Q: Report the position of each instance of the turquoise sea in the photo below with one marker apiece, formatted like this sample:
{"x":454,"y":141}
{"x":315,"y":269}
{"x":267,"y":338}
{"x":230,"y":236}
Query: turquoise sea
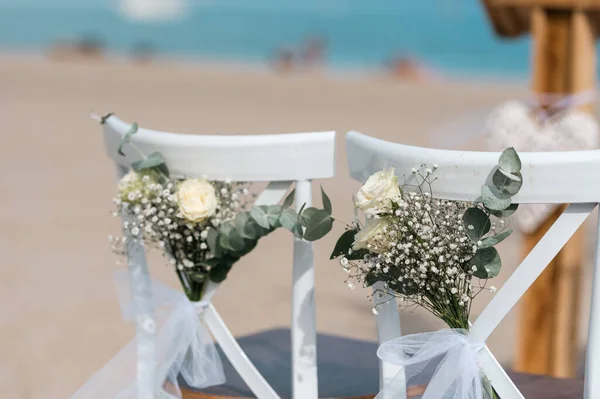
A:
{"x":453,"y":36}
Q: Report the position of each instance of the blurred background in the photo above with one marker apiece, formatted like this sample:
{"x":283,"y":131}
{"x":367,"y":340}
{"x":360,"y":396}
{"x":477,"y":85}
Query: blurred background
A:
{"x":401,"y":70}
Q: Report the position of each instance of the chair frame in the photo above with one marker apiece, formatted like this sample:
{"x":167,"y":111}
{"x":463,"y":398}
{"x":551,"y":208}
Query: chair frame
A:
{"x":283,"y":160}
{"x":548,"y":177}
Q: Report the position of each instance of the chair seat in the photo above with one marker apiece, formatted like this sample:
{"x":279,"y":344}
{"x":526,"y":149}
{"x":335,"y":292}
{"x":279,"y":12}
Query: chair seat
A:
{"x":348,"y":368}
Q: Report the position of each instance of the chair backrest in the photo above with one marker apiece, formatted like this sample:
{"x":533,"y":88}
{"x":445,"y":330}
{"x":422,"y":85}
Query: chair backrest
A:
{"x":554,"y":177}
{"x":282,"y":160}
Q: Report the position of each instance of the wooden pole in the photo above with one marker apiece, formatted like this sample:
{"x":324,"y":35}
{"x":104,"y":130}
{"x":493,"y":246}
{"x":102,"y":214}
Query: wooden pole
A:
{"x":564,"y":62}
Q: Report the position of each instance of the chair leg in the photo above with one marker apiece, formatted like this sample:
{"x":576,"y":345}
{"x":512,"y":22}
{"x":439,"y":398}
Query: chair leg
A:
{"x":251,"y":376}
{"x":304,"y":331}
{"x":592,"y":366}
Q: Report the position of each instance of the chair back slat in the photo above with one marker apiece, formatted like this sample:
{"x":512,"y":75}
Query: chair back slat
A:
{"x":549,"y":177}
{"x":273,"y":193}
{"x":495,"y":373}
{"x":294,"y":156}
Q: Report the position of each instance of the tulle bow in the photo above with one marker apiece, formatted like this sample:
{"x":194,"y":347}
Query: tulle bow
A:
{"x":183,"y":347}
{"x":438,"y":365}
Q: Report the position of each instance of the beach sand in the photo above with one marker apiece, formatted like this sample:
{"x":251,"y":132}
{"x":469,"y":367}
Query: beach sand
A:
{"x":60,"y":320}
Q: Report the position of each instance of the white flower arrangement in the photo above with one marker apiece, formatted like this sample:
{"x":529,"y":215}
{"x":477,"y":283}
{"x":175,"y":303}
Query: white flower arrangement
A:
{"x":427,"y":252}
{"x":202,"y":226}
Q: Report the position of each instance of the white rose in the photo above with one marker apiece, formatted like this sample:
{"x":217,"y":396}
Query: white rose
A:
{"x":372,"y":234}
{"x":378,"y":188}
{"x":197,"y":200}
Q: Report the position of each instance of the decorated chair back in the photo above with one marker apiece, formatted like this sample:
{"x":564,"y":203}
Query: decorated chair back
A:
{"x":283,"y":160}
{"x":548,"y":177}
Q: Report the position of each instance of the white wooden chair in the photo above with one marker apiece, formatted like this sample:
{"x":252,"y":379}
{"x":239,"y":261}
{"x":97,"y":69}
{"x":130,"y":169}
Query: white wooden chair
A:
{"x":282,"y":160}
{"x":557,"y":177}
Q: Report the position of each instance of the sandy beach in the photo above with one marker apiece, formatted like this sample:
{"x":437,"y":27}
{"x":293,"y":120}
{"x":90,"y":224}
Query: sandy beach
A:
{"x":60,"y":318}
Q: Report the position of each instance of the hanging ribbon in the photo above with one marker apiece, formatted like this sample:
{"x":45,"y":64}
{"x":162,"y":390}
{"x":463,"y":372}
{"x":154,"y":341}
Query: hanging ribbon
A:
{"x":183,"y":347}
{"x":439,"y":365}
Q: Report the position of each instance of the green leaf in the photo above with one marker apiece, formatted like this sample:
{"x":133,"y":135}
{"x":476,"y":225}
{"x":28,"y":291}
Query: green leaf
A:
{"x":236,"y":241}
{"x":509,"y":161}
{"x":132,"y":130}
{"x":505,"y":212}
{"x":479,"y":221}
{"x":297,"y":230}
{"x":259,"y":214}
{"x":212,"y":240}
{"x":358,"y":254}
{"x":507,"y":183}
{"x":153,"y":161}
{"x":273,"y":215}
{"x":318,"y":225}
{"x":371,"y":278}
{"x":494,"y":199}
{"x":219,"y":274}
{"x":326,"y":201}
{"x":288,"y":219}
{"x":105,"y":118}
{"x":224,"y":231}
{"x":487,"y":261}
{"x":493,"y":240}
{"x":244,"y":225}
{"x":306,"y":215}
{"x":343,"y":244}
{"x":289,"y":200}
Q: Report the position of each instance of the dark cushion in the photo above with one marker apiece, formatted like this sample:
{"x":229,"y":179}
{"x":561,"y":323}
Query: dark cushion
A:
{"x":346,"y":367}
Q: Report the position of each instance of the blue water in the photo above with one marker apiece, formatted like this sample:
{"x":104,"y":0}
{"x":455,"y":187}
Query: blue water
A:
{"x":449,"y":35}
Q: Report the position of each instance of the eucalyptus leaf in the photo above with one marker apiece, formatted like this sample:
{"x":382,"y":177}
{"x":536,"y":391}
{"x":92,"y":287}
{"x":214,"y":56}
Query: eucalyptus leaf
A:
{"x":476,"y":223}
{"x":358,"y":254}
{"x":219,"y":274}
{"x":212,"y":240}
{"x":493,"y":240}
{"x":289,"y":200}
{"x":132,"y":130}
{"x":273,"y":215}
{"x":318,"y":225}
{"x":224,"y":231}
{"x":306,"y":215}
{"x":344,"y":244}
{"x":509,"y":161}
{"x":288,"y":219}
{"x":236,"y":241}
{"x":507,"y":182}
{"x":326,"y":202}
{"x":505,"y":212}
{"x":154,"y":161}
{"x":487,"y":261}
{"x":244,"y":225}
{"x":297,"y":230}
{"x":259,"y":215}
{"x":494,"y":199}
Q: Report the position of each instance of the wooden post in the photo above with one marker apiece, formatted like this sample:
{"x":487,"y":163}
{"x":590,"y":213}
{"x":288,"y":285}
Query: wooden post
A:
{"x":564,"y":62}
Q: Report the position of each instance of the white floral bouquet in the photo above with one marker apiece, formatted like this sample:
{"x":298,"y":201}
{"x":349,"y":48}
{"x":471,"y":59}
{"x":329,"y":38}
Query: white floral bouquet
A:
{"x":426,"y":252}
{"x":202,"y":226}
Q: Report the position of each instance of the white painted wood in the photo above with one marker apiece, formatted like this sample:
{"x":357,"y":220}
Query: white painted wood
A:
{"x":251,"y":376}
{"x":279,"y":159}
{"x":141,"y":290}
{"x":462,"y":173}
{"x":304,"y":329}
{"x":388,"y":328}
{"x":559,"y":177}
{"x":276,"y":157}
{"x":531,"y":267}
{"x":592,"y":367}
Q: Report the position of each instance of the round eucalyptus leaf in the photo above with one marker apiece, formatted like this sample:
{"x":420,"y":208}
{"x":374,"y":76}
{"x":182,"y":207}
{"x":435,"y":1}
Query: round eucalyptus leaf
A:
{"x":495,"y":239}
{"x":509,"y":161}
{"x":288,"y":219}
{"x":318,"y":225}
{"x":273,"y":214}
{"x":506,"y":182}
{"x":505,"y":212}
{"x":487,"y":261}
{"x":236,"y":242}
{"x":494,"y":199}
{"x":259,"y":215}
{"x":245,"y":226}
{"x":306,"y":215}
{"x":476,"y":223}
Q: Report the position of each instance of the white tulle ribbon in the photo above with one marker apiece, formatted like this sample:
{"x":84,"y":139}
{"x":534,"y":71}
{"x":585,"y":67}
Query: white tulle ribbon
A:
{"x":183,"y":348}
{"x":443,"y":363}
